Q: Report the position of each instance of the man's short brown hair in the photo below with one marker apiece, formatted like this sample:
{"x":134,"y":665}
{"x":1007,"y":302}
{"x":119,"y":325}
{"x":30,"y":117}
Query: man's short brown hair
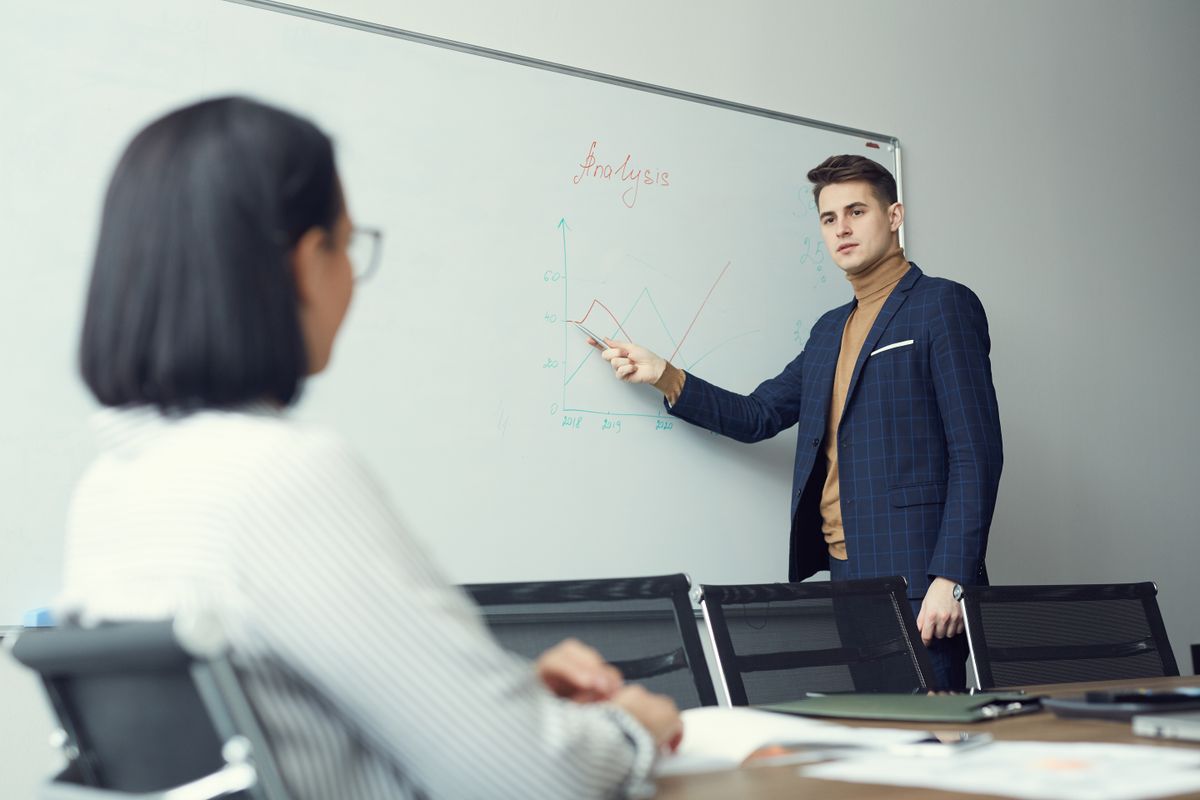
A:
{"x":846,"y":168}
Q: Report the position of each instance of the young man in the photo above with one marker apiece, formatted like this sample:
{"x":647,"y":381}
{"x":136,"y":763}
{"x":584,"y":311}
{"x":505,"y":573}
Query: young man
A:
{"x":899,"y":454}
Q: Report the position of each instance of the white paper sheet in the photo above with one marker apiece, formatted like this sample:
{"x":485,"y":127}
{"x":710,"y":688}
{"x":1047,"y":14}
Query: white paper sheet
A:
{"x":1034,"y":770}
{"x":721,"y":737}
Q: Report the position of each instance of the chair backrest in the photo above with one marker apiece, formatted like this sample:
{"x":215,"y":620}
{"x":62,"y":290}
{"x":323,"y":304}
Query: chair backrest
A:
{"x":146,"y":707}
{"x":644,"y":626}
{"x":1028,"y":635}
{"x":776,"y":641}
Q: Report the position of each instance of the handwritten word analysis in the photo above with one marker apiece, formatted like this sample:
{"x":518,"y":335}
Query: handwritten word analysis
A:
{"x":625,"y":173}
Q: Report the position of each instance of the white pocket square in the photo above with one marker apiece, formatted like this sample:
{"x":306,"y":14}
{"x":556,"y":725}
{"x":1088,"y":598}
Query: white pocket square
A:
{"x":891,"y":346}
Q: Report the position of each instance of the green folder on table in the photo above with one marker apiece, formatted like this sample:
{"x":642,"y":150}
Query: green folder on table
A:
{"x":911,"y":707}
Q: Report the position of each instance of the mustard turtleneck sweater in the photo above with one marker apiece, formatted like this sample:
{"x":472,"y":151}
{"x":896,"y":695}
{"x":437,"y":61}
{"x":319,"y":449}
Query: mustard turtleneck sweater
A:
{"x":872,"y":286}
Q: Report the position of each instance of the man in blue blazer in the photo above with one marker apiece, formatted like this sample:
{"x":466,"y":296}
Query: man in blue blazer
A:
{"x":899,"y":453}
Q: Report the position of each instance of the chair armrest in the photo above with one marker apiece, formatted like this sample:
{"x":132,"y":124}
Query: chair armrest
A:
{"x":230,"y":779}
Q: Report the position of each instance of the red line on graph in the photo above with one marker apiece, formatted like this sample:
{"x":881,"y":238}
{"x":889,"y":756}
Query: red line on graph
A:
{"x":698,"y":310}
{"x":628,"y":338}
{"x":595,"y":303}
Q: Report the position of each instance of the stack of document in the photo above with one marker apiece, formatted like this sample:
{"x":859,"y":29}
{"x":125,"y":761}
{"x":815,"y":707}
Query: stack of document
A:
{"x":1034,"y":770}
{"x":717,"y":738}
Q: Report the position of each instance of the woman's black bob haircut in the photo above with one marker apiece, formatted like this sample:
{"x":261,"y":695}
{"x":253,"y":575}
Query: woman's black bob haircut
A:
{"x":192,"y":301}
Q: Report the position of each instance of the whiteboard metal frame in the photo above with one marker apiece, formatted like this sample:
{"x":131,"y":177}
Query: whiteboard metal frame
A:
{"x":499,"y":55}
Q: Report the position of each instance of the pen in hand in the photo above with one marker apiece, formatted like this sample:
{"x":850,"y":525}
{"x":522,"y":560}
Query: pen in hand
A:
{"x":595,"y":339}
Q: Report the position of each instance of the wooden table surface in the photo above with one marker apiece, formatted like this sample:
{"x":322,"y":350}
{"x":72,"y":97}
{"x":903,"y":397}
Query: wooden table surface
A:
{"x":785,"y":781}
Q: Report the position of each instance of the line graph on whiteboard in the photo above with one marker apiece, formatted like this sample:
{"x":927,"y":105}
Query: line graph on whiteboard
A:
{"x":691,"y":315}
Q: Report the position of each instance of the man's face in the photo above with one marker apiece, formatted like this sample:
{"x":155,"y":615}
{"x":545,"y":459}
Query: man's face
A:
{"x":858,"y":229}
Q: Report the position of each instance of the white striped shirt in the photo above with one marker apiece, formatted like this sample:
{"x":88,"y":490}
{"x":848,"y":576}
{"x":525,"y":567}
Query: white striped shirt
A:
{"x":372,"y":675}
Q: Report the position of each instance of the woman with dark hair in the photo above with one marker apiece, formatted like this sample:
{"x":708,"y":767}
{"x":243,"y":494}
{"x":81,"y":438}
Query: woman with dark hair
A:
{"x":223,"y":272}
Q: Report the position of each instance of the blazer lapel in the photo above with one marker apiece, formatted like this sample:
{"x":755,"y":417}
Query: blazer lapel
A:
{"x":890,"y":307}
{"x":822,"y":373}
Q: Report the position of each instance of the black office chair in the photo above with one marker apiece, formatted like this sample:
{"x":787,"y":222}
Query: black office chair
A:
{"x":1027,"y":635}
{"x":776,"y":641}
{"x":644,"y":626}
{"x":149,"y":710}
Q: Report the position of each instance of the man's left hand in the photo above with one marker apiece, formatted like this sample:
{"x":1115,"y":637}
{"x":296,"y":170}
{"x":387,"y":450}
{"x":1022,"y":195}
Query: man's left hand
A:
{"x":940,"y":616}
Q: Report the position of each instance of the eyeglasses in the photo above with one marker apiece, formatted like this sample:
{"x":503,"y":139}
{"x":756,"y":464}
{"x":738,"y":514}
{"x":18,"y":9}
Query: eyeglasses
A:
{"x":365,"y":248}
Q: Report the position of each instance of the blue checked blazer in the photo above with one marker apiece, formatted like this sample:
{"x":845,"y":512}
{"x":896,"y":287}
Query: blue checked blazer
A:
{"x":919,"y":450}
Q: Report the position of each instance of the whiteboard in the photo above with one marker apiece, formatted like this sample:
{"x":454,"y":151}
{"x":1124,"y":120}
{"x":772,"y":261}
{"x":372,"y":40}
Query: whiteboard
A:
{"x":514,"y":195}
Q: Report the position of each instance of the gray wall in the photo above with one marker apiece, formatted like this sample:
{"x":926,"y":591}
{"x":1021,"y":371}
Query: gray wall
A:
{"x":1049,"y":164}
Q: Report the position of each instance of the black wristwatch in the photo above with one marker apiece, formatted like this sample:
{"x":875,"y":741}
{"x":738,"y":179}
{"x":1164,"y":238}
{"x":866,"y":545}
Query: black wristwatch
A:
{"x":958,"y":591}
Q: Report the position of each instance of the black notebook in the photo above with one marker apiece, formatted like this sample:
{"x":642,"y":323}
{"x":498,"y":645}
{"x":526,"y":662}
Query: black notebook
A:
{"x":911,"y":707}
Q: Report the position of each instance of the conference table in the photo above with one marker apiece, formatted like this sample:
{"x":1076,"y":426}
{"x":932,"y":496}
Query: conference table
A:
{"x":762,"y":782}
